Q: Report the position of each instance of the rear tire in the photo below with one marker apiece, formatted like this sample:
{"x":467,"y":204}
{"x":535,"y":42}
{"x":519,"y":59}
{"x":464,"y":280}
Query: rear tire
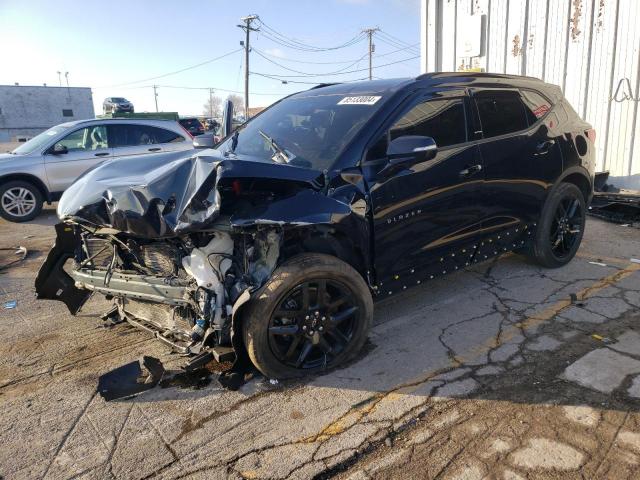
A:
{"x":20,"y":201}
{"x":561,"y":227}
{"x":287,"y":336}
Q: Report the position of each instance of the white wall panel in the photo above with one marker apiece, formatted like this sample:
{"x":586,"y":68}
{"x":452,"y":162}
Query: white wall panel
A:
{"x":586,"y":46}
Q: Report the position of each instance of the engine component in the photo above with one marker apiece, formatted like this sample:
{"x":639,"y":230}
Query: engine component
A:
{"x":199,"y":329}
{"x":160,"y":258}
{"x":208,"y":264}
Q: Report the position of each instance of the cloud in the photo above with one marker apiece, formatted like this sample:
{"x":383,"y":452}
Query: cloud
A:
{"x":275,"y":52}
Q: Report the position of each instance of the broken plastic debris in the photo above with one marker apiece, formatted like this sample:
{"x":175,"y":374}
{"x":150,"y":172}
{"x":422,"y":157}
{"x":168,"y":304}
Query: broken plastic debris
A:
{"x":10,"y":304}
{"x":635,"y":260}
{"x":273,"y":381}
{"x":130,"y":379}
{"x":600,"y":338}
{"x":599,"y":264}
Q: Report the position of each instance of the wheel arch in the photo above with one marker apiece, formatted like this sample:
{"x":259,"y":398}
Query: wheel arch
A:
{"x":25,"y":177}
{"x":579,"y":177}
{"x":328,"y":240}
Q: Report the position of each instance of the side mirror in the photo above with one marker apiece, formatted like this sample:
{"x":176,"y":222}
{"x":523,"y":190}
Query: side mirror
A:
{"x":227,"y":118}
{"x":408,"y":150}
{"x":206,"y":140}
{"x":412,"y":148}
{"x":59,"y":149}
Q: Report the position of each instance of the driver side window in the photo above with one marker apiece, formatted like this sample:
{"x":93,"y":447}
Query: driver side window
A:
{"x":443,"y":120}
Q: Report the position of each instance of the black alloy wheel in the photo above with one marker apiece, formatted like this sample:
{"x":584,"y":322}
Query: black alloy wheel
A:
{"x":559,"y":232}
{"x":313,"y":324}
{"x":566,"y":226}
{"x":313,"y":313}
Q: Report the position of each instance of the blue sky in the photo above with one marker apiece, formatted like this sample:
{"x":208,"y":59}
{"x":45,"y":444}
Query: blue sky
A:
{"x":104,"y":45}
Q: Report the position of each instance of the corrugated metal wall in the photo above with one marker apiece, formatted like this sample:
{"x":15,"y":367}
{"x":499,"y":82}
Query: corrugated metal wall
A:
{"x":591,"y":48}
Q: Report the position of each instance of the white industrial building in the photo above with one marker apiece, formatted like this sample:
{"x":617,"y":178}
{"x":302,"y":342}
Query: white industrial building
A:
{"x":591,"y":48}
{"x":26,"y":111}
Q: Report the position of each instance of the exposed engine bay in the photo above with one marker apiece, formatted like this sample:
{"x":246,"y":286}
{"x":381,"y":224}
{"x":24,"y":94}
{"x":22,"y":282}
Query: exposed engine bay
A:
{"x":182,"y":289}
{"x":181,"y":242}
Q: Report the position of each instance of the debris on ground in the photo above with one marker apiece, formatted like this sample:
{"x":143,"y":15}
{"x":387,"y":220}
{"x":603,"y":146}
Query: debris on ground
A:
{"x":613,"y":204}
{"x":600,"y":264}
{"x":19,"y":251}
{"x":131,"y":379}
{"x":10,"y":304}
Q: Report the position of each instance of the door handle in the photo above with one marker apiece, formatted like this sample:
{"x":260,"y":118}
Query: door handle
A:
{"x":544,"y":147}
{"x":467,"y":172}
{"x":155,"y":149}
{"x":101,"y":154}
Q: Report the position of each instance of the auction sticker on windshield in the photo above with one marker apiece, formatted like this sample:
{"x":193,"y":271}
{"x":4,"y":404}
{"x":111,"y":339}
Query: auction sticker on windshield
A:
{"x":363,"y":100}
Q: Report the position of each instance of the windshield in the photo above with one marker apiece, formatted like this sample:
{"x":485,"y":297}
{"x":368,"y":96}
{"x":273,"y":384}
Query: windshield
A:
{"x":118,"y":100}
{"x":312,"y":131}
{"x":39,"y":141}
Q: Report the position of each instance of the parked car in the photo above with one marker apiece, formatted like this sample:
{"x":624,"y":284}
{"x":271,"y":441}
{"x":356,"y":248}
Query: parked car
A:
{"x":192,"y":125}
{"x":276,"y":242}
{"x":117,"y":105}
{"x":42,"y":168}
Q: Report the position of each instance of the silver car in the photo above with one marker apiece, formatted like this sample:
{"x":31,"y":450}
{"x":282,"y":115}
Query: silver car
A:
{"x":42,"y":168}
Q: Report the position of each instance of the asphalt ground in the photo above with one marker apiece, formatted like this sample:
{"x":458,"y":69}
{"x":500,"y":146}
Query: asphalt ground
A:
{"x":505,"y":370}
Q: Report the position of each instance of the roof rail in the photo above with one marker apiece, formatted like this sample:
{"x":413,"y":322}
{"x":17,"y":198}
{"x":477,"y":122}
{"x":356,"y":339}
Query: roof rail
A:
{"x":322,"y":85}
{"x":473,"y":74}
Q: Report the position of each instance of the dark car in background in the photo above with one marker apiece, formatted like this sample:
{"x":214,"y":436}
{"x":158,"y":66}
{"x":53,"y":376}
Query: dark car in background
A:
{"x":276,"y":243}
{"x":117,"y":105}
{"x":192,"y":125}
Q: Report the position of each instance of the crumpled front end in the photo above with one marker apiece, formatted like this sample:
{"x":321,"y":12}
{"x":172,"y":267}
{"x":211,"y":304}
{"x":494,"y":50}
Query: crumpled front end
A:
{"x":181,"y":242}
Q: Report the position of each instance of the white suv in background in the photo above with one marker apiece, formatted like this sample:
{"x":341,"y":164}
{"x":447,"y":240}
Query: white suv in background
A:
{"x":42,"y":168}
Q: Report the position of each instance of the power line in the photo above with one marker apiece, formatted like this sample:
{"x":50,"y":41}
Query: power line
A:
{"x":289,"y":42}
{"x":265,"y":75}
{"x":399,"y":40}
{"x":341,"y":73}
{"x":308,"y":73}
{"x":295,"y":60}
{"x":176,"y":71}
{"x":395,"y":42}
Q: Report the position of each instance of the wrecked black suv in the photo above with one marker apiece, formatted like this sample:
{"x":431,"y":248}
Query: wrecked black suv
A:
{"x":275,"y":243}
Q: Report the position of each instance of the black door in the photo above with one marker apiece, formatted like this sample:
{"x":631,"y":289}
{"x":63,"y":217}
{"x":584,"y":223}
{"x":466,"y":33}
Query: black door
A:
{"x":520,"y":158}
{"x":426,"y":212}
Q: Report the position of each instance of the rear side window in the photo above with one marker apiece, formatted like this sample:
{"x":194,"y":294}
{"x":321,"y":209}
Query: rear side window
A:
{"x":134,"y":135}
{"x":536,"y":105}
{"x":501,"y":112}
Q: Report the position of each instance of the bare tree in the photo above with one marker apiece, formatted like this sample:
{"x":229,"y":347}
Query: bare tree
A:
{"x":213,"y":107}
{"x":238,"y":104}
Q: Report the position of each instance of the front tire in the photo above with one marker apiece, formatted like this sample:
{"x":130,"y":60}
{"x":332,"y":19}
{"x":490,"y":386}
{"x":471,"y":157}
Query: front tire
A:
{"x":20,"y":201}
{"x":313,"y":313}
{"x":561,"y":227}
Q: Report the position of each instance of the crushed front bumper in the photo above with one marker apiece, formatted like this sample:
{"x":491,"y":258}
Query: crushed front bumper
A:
{"x":53,"y":282}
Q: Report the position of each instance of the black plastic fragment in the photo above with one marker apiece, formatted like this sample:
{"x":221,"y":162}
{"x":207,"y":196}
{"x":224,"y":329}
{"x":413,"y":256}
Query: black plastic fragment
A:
{"x":130,"y":379}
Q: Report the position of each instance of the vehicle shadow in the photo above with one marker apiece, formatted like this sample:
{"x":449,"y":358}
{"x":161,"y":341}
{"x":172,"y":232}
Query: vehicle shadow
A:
{"x":464,"y":336}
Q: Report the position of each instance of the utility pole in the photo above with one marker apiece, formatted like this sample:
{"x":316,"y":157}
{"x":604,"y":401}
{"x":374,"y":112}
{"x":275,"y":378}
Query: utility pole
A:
{"x":247,"y":29}
{"x":59,"y":78}
{"x":155,"y":95}
{"x":211,"y":102}
{"x":372,"y":48}
{"x":66,"y":76}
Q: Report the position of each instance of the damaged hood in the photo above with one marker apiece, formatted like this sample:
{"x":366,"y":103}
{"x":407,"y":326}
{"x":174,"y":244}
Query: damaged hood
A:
{"x":166,"y":194}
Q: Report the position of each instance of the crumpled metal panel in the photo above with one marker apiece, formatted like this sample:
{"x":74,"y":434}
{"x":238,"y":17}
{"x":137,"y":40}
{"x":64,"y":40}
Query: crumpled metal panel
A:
{"x":166,"y":194}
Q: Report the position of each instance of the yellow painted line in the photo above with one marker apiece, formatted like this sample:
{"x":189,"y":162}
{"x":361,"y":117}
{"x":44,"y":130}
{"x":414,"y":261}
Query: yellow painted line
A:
{"x":357,"y":412}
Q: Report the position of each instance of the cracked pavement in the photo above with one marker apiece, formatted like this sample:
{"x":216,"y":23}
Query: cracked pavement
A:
{"x":505,"y":370}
